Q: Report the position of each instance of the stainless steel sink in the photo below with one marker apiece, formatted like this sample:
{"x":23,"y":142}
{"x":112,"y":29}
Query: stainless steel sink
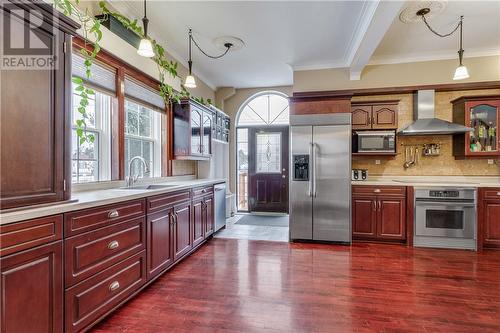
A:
{"x":147,"y":187}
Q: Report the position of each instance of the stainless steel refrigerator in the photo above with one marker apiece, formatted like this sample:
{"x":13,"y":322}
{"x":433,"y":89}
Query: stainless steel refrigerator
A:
{"x":320,"y":179}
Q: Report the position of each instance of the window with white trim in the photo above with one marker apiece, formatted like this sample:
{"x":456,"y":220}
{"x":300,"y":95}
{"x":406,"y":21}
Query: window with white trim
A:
{"x":142,"y":137}
{"x":91,"y":161}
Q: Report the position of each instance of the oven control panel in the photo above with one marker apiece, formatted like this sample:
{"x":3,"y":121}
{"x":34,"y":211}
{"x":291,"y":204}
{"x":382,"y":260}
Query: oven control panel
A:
{"x":444,"y":194}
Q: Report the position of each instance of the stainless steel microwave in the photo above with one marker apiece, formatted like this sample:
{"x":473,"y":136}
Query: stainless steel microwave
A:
{"x":374,"y":142}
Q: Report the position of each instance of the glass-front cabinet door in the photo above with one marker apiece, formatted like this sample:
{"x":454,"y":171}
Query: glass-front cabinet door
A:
{"x":207,"y":134}
{"x":483,"y":117}
{"x":196,"y":125}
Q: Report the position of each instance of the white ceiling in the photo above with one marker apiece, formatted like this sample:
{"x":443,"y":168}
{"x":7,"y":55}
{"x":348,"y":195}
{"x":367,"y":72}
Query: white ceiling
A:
{"x":283,"y":36}
{"x":408,"y":42}
{"x":277,"y":35}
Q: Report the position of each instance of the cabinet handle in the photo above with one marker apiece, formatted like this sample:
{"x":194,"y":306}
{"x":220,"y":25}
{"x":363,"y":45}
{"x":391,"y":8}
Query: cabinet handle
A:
{"x":498,"y":193}
{"x":172,"y":219}
{"x":204,"y":191}
{"x":377,"y":190}
{"x":379,"y":205}
{"x":374,"y":204}
{"x":113,"y":213}
{"x":113,"y":245}
{"x":113,"y":286}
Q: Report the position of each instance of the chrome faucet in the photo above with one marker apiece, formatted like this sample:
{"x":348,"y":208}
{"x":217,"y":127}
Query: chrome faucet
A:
{"x":130,"y":180}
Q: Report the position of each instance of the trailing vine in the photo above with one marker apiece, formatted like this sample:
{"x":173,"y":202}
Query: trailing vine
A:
{"x":92,"y":35}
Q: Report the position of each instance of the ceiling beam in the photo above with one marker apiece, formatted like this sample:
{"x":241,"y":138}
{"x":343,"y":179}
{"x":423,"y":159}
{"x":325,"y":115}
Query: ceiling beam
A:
{"x":375,"y":21}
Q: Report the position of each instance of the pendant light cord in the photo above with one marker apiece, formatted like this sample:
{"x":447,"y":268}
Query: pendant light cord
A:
{"x":442,"y":35}
{"x":227,"y":45}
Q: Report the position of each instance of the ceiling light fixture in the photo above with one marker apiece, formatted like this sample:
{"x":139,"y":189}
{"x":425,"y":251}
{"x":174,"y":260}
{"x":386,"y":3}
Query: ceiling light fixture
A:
{"x":190,"y":82}
{"x":461,"y":72}
{"x":145,"y":46}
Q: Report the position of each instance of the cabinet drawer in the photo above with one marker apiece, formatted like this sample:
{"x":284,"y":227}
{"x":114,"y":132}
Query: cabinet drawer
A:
{"x":20,"y":236}
{"x":378,"y":190}
{"x":491,"y":193}
{"x":91,"y":299}
{"x":203,"y":191}
{"x":93,"y":218}
{"x":164,"y":201}
{"x":88,"y":254}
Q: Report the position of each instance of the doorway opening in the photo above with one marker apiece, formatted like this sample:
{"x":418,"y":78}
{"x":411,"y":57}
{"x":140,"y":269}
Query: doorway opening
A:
{"x":262,"y":139}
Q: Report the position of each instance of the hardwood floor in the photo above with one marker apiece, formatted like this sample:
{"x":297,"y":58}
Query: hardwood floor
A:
{"x":256,"y":286}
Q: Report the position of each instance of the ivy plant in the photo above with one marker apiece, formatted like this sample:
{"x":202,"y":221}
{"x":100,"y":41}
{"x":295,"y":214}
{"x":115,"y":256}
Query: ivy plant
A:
{"x":92,"y":35}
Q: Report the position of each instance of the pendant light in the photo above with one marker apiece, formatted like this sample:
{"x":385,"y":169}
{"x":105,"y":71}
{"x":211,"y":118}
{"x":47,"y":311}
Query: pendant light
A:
{"x":190,"y":81}
{"x":461,"y":72}
{"x":145,"y":46}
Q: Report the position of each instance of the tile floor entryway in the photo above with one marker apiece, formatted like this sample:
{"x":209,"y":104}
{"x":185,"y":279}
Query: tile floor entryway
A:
{"x":263,"y":231}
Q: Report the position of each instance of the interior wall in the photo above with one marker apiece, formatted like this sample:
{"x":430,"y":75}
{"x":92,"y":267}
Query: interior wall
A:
{"x":231,"y":106}
{"x":481,"y":69}
{"x":445,"y":164}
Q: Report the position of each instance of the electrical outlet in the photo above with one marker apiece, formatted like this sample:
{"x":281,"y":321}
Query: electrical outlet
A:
{"x":377,"y":162}
{"x":491,"y":162}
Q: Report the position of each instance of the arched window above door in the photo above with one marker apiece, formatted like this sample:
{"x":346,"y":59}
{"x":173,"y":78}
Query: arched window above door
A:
{"x":265,"y":109}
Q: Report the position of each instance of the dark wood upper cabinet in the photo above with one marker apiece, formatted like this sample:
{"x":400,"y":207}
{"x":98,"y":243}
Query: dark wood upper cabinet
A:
{"x":482,"y":113}
{"x":375,"y":115}
{"x":35,"y":119}
{"x":361,"y":117}
{"x":31,"y":289}
{"x":193,"y":127}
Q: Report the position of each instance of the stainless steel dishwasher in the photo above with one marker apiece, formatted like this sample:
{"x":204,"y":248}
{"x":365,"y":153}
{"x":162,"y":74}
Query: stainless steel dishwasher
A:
{"x":220,"y":206}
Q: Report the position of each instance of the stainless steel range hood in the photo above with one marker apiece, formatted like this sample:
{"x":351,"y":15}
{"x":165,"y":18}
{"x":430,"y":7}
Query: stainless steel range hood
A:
{"x":425,"y":121}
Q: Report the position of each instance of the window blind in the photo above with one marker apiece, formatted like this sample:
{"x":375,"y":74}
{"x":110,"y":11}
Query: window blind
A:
{"x":101,"y":76}
{"x":143,"y":94}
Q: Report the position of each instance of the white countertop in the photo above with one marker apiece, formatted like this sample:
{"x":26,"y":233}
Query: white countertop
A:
{"x":441,"y":181}
{"x":88,"y":199}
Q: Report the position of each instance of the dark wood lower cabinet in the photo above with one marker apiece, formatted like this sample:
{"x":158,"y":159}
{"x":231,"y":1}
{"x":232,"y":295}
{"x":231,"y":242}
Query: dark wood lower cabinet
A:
{"x":489,"y":218}
{"x":364,"y":218}
{"x":88,"y":301}
{"x":119,"y":252}
{"x":391,"y":219}
{"x":198,"y":221}
{"x":182,"y":230}
{"x":209,"y":216}
{"x":378,"y":214}
{"x":31,"y":287}
{"x":159,"y":242}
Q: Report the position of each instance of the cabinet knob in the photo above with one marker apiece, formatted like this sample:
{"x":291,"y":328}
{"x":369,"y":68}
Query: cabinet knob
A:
{"x":113,"y":245}
{"x":498,"y":193}
{"x":377,"y":190}
{"x":113,"y":213}
{"x":204,"y":191}
{"x":113,"y":286}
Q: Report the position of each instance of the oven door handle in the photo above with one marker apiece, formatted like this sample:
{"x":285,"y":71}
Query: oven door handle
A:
{"x":443,"y":203}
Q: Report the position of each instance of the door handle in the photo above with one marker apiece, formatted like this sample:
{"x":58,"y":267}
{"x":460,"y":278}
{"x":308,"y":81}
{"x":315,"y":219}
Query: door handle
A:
{"x":309,"y":190}
{"x":113,"y":213}
{"x":315,"y":169}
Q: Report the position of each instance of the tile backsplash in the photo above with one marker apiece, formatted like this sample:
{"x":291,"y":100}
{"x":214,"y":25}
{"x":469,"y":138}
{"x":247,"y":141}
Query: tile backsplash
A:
{"x":445,"y":163}
{"x":183,"y":167}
